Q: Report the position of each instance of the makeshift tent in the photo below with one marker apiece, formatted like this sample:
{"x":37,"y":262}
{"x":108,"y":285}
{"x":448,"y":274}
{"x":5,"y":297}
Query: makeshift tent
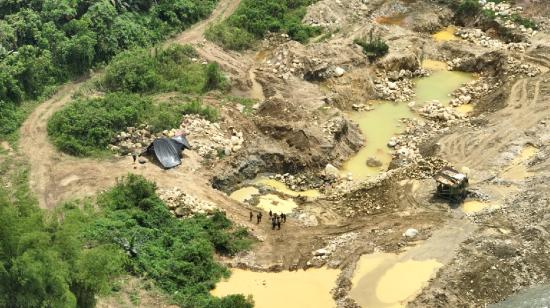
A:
{"x":167,"y":151}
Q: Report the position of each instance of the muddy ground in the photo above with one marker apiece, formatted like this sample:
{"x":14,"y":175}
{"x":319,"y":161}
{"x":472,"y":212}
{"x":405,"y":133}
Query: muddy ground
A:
{"x":299,"y":125}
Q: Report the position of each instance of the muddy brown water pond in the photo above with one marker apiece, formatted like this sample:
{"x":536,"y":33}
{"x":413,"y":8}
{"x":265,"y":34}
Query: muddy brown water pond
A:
{"x":272,"y":202}
{"x":383,"y":280}
{"x":382,"y":123}
{"x":296,"y":289}
{"x":446,"y":34}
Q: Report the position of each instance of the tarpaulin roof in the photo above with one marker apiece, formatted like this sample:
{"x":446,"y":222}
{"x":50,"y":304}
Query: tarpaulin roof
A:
{"x":182,"y":140}
{"x":167,"y":151}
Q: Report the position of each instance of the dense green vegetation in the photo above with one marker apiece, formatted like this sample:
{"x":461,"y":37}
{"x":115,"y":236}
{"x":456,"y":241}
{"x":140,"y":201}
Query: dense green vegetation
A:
{"x":87,"y":126}
{"x":69,"y":256}
{"x":171,"y":69}
{"x":176,"y":254}
{"x":43,"y":263}
{"x":46,"y":42}
{"x":373,"y":48}
{"x":254,"y":19}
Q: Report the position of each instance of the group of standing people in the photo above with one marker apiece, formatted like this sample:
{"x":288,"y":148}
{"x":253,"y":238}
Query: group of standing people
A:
{"x":276,"y":219}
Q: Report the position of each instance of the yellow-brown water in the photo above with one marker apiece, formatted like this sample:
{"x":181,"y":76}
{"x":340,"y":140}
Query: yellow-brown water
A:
{"x":283,"y":188}
{"x":299,"y":289}
{"x":517,"y":170}
{"x":244,"y":194}
{"x":465,"y":109}
{"x":474,"y":206}
{"x":447,"y":34}
{"x":276,"y":204}
{"x":378,"y":126}
{"x":440,"y":84}
{"x":384,"y":280}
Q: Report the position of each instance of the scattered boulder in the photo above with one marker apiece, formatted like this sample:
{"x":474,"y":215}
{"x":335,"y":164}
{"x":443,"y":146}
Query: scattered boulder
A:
{"x":410,"y":233}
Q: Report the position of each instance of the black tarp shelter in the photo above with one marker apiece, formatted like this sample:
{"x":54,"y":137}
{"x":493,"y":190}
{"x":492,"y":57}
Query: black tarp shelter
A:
{"x":167,"y":151}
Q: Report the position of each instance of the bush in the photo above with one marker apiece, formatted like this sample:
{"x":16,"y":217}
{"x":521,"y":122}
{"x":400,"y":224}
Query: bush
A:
{"x":87,"y":126}
{"x":373,"y":48}
{"x":71,"y":256}
{"x":171,"y":69}
{"x":230,"y":37}
{"x":254,"y":19}
{"x":468,"y":8}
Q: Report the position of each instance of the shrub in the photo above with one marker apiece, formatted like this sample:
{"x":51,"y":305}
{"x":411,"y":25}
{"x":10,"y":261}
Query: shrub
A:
{"x":374,"y":48}
{"x":171,"y":69}
{"x":254,"y":19}
{"x":230,"y":37}
{"x":87,"y":126}
{"x":468,"y":8}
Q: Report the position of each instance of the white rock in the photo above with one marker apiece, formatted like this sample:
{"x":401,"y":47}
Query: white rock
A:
{"x":410,"y":233}
{"x":339,"y":72}
{"x":330,"y":170}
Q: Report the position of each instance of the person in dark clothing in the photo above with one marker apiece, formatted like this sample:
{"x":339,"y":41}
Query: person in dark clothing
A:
{"x":134,"y":157}
{"x":273,"y":223}
{"x":278,"y":224}
{"x":258,"y":218}
{"x":251,"y":215}
{"x":270,"y":213}
{"x":284,"y":217}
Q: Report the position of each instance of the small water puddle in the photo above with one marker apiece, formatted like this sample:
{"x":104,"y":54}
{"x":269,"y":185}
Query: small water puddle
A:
{"x":297,"y":289}
{"x":400,"y":20}
{"x":244,"y":194}
{"x":474,"y":206}
{"x":276,"y":204}
{"x":446,"y":34}
{"x":281,"y":187}
{"x":388,"y":280}
{"x":517,"y":170}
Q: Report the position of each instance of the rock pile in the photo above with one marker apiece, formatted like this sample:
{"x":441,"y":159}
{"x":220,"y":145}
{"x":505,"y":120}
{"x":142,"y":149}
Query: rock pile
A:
{"x":207,"y":138}
{"x":133,"y":140}
{"x":397,"y":85}
{"x":332,"y":14}
{"x":515,"y":67}
{"x":298,"y":182}
{"x":475,"y":89}
{"x":436,"y":111}
{"x":184,"y":205}
{"x":334,"y":245}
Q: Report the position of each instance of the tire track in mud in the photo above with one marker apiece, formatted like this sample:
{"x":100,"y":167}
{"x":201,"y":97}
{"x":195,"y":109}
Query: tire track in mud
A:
{"x":477,"y":148}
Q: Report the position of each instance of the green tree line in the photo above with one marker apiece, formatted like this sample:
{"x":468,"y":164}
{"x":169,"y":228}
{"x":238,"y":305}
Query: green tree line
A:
{"x":46,"y":42}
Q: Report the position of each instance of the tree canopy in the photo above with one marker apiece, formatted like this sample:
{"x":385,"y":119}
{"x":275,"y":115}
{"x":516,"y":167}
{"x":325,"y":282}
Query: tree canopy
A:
{"x":46,"y":42}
